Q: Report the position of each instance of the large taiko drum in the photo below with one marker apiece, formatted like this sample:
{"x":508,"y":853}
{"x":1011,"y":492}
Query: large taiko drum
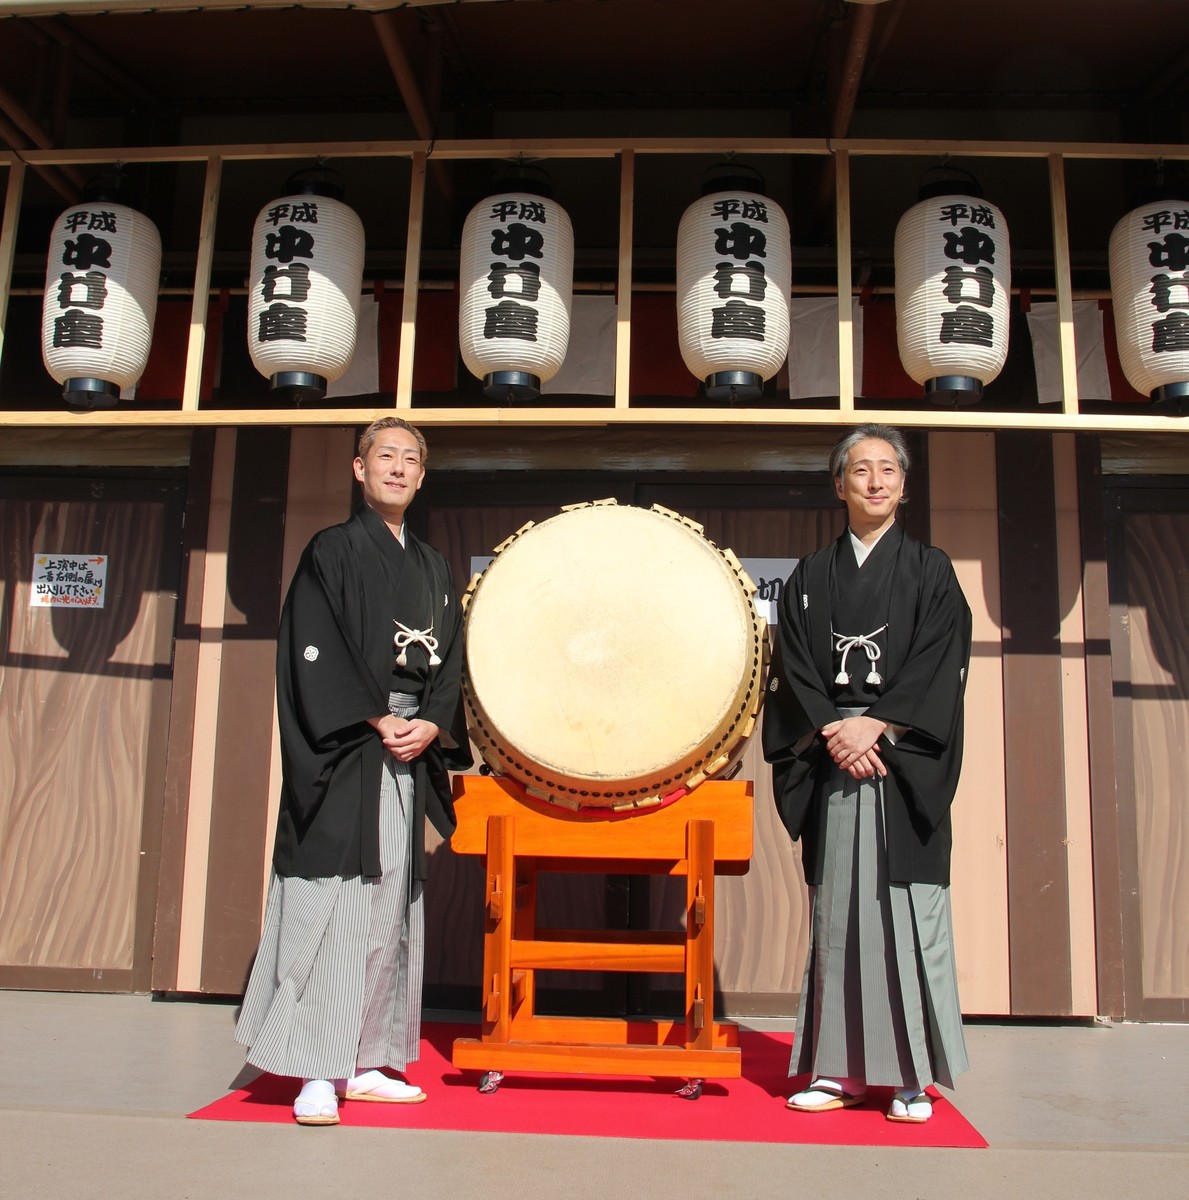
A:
{"x":615,"y":658}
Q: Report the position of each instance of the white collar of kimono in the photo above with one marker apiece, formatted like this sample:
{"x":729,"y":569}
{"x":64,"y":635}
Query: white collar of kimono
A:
{"x":860,"y":550}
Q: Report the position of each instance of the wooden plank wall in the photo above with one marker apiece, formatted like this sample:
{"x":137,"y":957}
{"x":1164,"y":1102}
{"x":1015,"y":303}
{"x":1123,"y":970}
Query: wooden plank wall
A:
{"x":1006,"y":508}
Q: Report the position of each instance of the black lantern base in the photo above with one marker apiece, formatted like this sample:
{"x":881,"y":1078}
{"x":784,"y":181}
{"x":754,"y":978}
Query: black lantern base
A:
{"x":85,"y":394}
{"x":1172,"y":399}
{"x":298,"y":386}
{"x":953,"y":391}
{"x":734,"y":385}
{"x":511,"y":387}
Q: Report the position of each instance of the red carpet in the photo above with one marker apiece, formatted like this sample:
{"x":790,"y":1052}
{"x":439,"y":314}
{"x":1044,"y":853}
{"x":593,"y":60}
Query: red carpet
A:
{"x":750,"y":1109}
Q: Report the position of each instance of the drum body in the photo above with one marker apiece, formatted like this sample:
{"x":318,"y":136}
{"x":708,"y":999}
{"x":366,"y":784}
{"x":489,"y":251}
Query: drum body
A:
{"x":615,"y":658}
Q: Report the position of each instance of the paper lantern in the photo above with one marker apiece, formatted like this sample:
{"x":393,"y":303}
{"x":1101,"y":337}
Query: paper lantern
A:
{"x":734,"y":276}
{"x":303,"y":292}
{"x":516,"y":282}
{"x":1149,"y":264}
{"x":953,"y":280}
{"x":101,"y":284}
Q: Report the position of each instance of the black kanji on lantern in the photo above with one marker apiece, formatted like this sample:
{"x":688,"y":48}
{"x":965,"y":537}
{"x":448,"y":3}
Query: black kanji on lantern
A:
{"x":1162,"y":292}
{"x":282,"y":323}
{"x":740,"y":241}
{"x":970,"y":246}
{"x":968,"y":326}
{"x":749,"y":210}
{"x":297,"y":277}
{"x":976,"y":214}
{"x":1154,"y":222}
{"x":86,"y":251}
{"x":75,"y":328}
{"x":1171,"y":334}
{"x":980,"y":277}
{"x":740,"y":279}
{"x":508,"y":319}
{"x":289,"y":243}
{"x":104,"y":221}
{"x":738,"y":320}
{"x":1171,"y":252}
{"x":523,"y":280}
{"x":92,"y":285}
{"x":517,"y":241}
{"x":304,"y":212}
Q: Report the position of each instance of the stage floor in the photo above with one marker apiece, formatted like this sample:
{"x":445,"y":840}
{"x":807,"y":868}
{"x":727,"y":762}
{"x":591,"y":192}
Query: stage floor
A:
{"x":97,"y":1088}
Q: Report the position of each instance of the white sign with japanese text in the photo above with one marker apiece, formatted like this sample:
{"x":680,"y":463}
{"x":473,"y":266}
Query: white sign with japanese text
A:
{"x":68,"y":581}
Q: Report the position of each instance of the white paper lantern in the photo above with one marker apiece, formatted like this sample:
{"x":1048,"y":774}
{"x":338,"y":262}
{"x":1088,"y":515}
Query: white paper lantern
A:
{"x":303,"y":292}
{"x":953,"y":281}
{"x":734,"y":276}
{"x":516,"y":283}
{"x":101,"y":283}
{"x":1149,"y":262}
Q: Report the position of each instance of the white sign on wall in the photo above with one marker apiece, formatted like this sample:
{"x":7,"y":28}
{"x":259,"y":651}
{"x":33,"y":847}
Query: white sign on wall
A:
{"x":68,"y":581}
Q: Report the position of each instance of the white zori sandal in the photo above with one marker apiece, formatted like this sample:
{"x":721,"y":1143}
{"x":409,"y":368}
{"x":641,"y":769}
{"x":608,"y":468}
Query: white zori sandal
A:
{"x":375,"y":1085}
{"x":316,"y":1103}
{"x":916,"y":1108}
{"x":824,"y":1095}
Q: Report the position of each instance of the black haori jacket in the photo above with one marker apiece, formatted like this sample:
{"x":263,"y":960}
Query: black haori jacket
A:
{"x":335,"y":660}
{"x":924,"y":670}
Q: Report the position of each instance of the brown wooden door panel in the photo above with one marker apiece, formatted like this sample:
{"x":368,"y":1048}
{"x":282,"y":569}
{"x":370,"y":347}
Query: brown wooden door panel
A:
{"x":80,"y":727}
{"x":1150,"y":616}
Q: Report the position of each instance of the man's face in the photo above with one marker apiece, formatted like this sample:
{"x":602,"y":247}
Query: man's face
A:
{"x":391,"y":472}
{"x":872,"y":483}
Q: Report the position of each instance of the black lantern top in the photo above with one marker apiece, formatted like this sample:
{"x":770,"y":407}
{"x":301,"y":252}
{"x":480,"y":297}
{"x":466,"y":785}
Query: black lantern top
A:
{"x":316,"y":181}
{"x":733,"y":176}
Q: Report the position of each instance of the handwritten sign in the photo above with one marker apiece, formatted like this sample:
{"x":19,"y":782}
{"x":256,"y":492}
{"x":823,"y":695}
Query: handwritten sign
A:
{"x":68,"y":581}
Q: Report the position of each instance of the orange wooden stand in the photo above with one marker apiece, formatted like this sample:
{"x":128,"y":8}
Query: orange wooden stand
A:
{"x":707,"y":830}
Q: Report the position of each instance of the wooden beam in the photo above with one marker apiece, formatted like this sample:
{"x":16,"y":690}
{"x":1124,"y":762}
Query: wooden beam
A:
{"x":408,"y":320}
{"x":192,"y":386}
{"x":8,"y":239}
{"x":623,"y":299}
{"x":1064,"y":280}
{"x":846,"y":331}
{"x":401,"y":67}
{"x":1128,"y":422}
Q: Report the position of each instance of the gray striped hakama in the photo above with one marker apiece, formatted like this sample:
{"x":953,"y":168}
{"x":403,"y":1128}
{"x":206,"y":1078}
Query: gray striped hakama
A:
{"x":879,"y":1001}
{"x":336,"y":985}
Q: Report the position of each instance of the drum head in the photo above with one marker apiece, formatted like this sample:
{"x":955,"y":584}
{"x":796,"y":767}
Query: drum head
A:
{"x":613,"y":654}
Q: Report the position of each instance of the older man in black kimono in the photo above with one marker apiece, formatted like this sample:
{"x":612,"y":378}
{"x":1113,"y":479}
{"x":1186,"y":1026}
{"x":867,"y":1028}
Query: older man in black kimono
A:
{"x":369,"y":658}
{"x":863,"y":726}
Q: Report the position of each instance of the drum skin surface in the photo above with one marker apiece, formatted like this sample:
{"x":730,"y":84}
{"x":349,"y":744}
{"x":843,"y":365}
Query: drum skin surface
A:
{"x":615,"y":657}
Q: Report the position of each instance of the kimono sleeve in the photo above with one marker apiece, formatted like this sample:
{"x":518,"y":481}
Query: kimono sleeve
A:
{"x":927,"y":696}
{"x":795,"y":708}
{"x":324,"y":688}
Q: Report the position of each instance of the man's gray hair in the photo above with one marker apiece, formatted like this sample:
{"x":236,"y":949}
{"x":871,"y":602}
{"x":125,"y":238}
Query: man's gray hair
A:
{"x":861,"y":433}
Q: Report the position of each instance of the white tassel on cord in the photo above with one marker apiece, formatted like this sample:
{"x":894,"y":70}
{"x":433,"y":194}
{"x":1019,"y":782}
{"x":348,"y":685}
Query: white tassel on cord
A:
{"x":847,"y":642}
{"x":406,"y":637}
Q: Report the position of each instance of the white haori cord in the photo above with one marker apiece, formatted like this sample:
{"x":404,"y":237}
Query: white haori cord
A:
{"x":406,"y":637}
{"x":847,"y":642}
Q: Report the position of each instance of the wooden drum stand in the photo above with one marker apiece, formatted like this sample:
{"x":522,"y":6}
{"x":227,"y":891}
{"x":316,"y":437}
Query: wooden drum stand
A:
{"x":708,"y":830}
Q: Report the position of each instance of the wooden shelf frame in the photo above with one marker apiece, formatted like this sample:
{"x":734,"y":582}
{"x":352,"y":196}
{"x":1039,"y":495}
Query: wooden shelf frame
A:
{"x":621,"y":409}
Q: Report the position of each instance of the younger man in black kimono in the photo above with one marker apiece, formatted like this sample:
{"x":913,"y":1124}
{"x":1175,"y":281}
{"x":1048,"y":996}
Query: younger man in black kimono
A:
{"x":369,"y":658}
{"x":863,"y":726}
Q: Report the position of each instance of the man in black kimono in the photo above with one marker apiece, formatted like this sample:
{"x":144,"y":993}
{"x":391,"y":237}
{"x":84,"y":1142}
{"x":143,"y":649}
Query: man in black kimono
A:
{"x":369,"y":659}
{"x":863,"y":726}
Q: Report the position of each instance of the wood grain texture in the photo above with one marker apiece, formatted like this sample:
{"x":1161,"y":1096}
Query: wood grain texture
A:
{"x":75,"y":722}
{"x":1157,"y":565}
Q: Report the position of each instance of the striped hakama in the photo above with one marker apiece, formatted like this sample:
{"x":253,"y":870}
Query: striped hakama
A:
{"x":879,"y":1001}
{"x":336,"y":984}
